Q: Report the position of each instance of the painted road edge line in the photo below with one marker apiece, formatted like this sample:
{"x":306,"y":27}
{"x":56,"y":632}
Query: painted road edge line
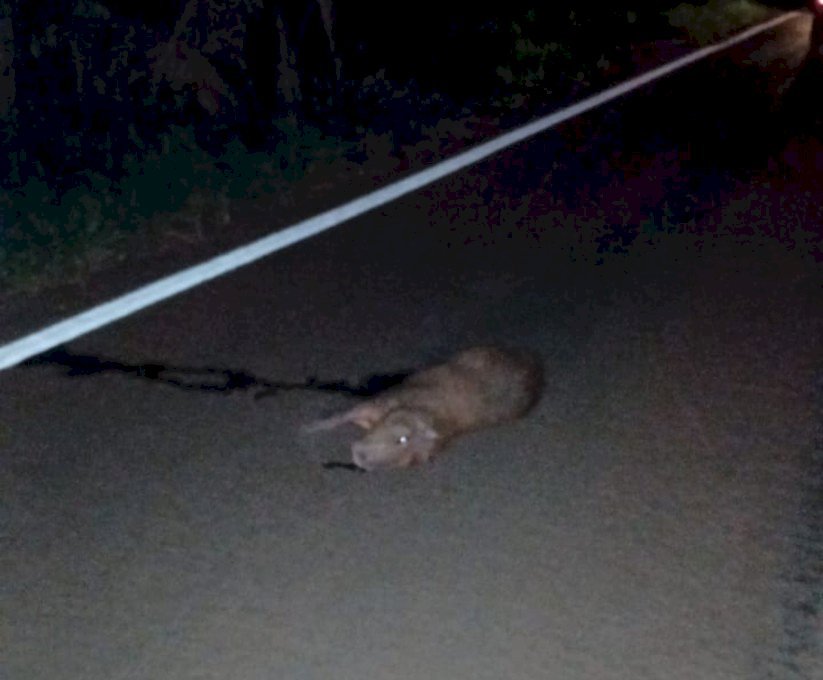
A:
{"x":73,"y":327}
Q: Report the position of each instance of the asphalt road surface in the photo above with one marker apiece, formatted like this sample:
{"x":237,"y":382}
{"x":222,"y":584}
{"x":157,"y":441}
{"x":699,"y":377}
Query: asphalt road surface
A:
{"x":659,"y":514}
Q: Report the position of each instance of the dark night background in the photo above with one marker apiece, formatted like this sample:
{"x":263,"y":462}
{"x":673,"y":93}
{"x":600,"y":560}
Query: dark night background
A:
{"x":112,"y":112}
{"x":116,"y":76}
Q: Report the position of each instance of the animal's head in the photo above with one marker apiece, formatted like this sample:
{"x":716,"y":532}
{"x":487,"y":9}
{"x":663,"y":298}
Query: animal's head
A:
{"x":404,"y":437}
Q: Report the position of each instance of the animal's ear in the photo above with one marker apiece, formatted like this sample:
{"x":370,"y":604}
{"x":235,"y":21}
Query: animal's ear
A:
{"x":365,"y":416}
{"x":424,"y":426}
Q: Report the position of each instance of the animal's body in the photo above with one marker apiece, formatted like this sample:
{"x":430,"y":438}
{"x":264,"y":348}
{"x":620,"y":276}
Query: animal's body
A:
{"x":409,"y":423}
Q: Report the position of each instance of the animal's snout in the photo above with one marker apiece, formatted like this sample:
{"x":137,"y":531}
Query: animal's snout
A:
{"x":369,"y":457}
{"x":358,"y":457}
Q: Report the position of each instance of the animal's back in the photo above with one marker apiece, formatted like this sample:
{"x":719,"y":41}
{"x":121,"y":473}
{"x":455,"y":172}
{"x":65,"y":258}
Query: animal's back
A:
{"x":478,"y":387}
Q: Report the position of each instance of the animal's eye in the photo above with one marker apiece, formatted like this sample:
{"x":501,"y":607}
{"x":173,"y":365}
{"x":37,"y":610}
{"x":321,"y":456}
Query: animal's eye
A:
{"x":402,"y":440}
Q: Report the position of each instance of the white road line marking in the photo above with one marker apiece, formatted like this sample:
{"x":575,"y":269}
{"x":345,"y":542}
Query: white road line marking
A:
{"x":40,"y":341}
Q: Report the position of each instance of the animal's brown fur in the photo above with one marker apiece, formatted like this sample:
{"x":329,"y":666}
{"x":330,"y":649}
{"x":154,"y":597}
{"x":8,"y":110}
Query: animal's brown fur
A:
{"x":409,"y":423}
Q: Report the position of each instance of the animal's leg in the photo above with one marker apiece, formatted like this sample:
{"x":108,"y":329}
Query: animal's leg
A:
{"x":365,"y":416}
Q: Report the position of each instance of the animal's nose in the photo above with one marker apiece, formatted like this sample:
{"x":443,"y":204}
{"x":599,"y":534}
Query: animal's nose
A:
{"x":357,"y":458}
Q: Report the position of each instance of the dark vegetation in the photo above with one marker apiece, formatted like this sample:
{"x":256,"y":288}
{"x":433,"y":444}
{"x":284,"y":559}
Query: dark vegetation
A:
{"x":113,"y":113}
